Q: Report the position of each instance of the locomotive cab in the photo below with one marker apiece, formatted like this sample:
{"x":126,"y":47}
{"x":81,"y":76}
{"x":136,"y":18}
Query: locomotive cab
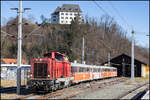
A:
{"x":51,"y":72}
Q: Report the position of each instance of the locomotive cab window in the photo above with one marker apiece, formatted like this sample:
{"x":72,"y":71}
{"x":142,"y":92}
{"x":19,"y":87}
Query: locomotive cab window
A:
{"x":47,"y":55}
{"x":59,"y":57}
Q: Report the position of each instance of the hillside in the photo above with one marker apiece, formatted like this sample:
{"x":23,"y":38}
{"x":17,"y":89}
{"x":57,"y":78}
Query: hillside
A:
{"x":100,"y":38}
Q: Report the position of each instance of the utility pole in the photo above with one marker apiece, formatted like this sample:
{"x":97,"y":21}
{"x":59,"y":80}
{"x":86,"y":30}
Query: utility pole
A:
{"x":132,"y":60}
{"x":83,"y":50}
{"x":19,"y":47}
{"x":109,"y":59}
{"x":20,"y":12}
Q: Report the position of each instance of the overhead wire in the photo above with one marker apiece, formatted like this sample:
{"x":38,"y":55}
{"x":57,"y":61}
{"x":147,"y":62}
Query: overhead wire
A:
{"x":11,"y":5}
{"x":8,"y":34}
{"x":33,"y":31}
{"x":116,"y":10}
{"x":101,"y":8}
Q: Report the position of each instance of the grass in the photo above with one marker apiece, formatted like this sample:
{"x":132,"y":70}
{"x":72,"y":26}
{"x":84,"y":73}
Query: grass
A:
{"x":138,"y":79}
{"x":128,"y":83}
{"x":9,"y":83}
{"x":8,"y":96}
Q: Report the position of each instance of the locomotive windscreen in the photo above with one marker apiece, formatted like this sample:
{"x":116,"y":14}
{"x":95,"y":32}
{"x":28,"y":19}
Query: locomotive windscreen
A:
{"x":40,"y":70}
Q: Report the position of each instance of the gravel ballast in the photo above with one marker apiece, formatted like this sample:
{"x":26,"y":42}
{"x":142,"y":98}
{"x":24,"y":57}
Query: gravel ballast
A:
{"x":110,"y":92}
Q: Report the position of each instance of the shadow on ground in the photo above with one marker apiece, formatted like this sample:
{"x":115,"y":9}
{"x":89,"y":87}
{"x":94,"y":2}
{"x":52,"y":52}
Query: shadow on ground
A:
{"x":13,"y":90}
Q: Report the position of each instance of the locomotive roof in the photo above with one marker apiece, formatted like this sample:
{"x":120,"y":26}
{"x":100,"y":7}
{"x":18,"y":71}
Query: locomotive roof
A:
{"x":56,"y":53}
{"x":90,"y":66}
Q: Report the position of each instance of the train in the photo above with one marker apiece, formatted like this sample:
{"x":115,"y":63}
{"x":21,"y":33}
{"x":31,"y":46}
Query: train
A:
{"x":54,"y":71}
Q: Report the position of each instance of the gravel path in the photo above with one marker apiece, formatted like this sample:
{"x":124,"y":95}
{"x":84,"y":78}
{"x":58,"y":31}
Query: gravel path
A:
{"x":110,"y":92}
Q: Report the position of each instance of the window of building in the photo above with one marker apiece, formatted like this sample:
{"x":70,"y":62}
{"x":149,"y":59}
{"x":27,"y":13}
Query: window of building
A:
{"x":70,"y":13}
{"x":54,"y":16}
{"x":62,"y":17}
{"x":70,"y":17}
{"x":62,"y":13}
{"x":66,"y":17}
{"x":76,"y":9}
{"x":54,"y":19}
{"x":66,"y":13}
{"x":62,"y":21}
{"x":66,"y":21}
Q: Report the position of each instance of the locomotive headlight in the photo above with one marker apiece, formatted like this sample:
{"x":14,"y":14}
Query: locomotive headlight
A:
{"x":48,"y":75}
{"x":31,"y":75}
{"x":40,"y":59}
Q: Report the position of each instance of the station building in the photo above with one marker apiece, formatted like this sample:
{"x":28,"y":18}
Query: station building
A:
{"x":9,"y":69}
{"x":123,"y":65}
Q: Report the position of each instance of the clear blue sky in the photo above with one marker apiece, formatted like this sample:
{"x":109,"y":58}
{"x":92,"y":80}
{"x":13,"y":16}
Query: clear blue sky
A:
{"x":134,"y":12}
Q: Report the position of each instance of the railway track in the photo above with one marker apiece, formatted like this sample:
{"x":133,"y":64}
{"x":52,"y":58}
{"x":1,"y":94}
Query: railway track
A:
{"x":75,"y":89}
{"x":94,"y":87}
{"x":137,"y":96}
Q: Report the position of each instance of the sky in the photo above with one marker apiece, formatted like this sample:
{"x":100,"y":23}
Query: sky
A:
{"x":135,"y":13}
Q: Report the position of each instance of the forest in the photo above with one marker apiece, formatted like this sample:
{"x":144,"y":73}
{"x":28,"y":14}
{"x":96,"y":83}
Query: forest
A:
{"x":102,"y":36}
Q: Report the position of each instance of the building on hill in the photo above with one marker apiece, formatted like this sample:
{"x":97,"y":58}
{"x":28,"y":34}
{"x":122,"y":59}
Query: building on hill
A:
{"x":66,"y":13}
{"x":123,"y":65}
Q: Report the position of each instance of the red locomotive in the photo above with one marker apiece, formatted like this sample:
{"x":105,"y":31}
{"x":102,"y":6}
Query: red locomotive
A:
{"x":51,"y":72}
{"x":54,"y":71}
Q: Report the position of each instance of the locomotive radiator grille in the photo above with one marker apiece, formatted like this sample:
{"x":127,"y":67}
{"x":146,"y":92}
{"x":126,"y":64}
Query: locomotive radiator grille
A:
{"x":40,"y":70}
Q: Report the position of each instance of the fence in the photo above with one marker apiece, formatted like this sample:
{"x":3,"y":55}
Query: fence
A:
{"x":9,"y":74}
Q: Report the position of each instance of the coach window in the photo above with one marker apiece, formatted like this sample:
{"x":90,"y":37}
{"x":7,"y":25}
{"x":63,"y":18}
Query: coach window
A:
{"x":113,"y":70}
{"x":87,"y":69}
{"x":104,"y":70}
{"x":72,"y":69}
{"x":98,"y":69}
{"x":107,"y":70}
{"x":80,"y":69}
{"x":94,"y":69}
{"x":83,"y":69}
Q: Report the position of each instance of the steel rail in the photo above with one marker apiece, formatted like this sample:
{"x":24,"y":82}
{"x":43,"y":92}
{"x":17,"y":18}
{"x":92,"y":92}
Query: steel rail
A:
{"x":130,"y":91}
